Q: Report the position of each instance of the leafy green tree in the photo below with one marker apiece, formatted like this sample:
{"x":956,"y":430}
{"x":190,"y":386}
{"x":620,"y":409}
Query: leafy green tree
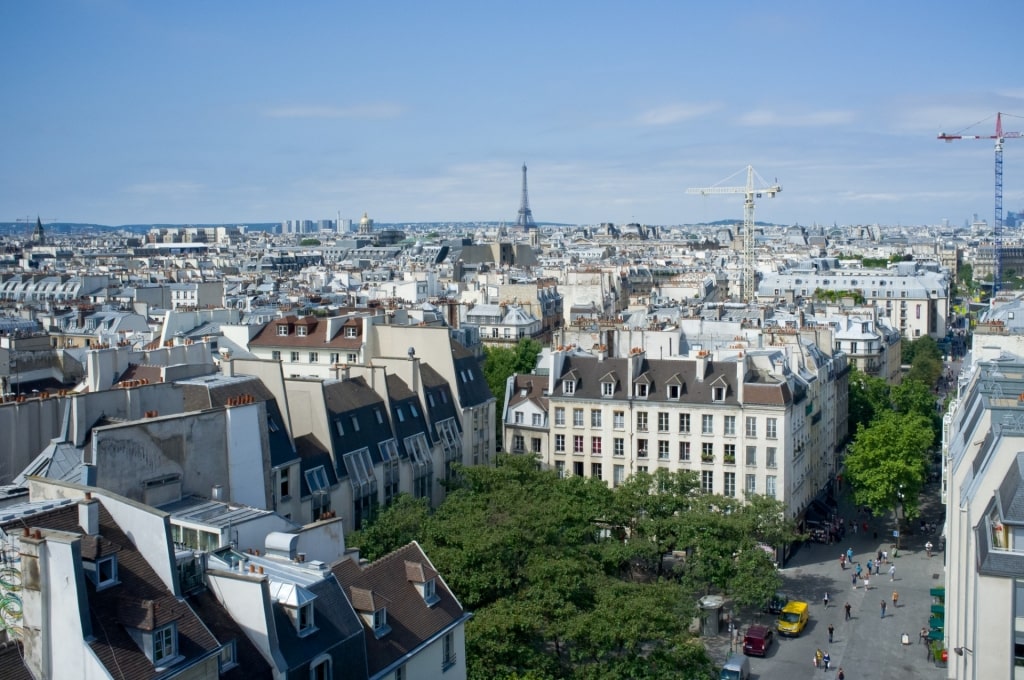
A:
{"x":309,"y":242}
{"x":502,"y":362}
{"x":393,"y":527}
{"x":887,"y":464}
{"x":868,"y":396}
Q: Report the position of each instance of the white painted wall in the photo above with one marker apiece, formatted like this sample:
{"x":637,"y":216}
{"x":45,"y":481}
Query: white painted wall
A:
{"x":246,"y":432}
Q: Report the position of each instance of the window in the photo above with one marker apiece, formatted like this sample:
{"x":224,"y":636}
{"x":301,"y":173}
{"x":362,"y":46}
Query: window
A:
{"x":106,"y":572}
{"x":640,"y":390}
{"x":684,"y":423}
{"x":607,"y":389}
{"x":662,"y":421}
{"x":320,"y":669}
{"x":400,"y":673}
{"x":595,"y":418}
{"x":619,"y":447}
{"x":577,"y":469}
{"x":751,"y":487}
{"x":769,"y":459}
{"x":641,"y":468}
{"x":518,"y":443}
{"x":730,"y":484}
{"x":568,"y":387}
{"x":769,"y":486}
{"x":751,"y":426}
{"x":537,"y":420}
{"x":619,"y":419}
{"x":301,"y":331}
{"x":673,"y":391}
{"x":595,"y":470}
{"x":282,"y":329}
{"x":448,"y":651}
{"x":559,"y":443}
{"x":730,"y":426}
{"x":641,"y":448}
{"x":335,"y":358}
{"x":577,"y":417}
{"x":282,"y":481}
{"x":401,"y":415}
{"x":707,"y":481}
{"x":351,"y":331}
{"x":535,"y":444}
{"x":684,"y":451}
{"x":853,"y":348}
{"x":355,"y":424}
{"x":164,"y":645}
{"x":380,"y":622}
{"x":316,"y":479}
{"x":559,"y":416}
{"x":707,"y":424}
{"x":275,"y":355}
{"x":560,"y":468}
{"x":707,"y":452}
{"x":641,"y":421}
{"x":771,"y":428}
{"x":351,"y":358}
{"x":729,"y":453}
{"x":717,"y":394}
{"x":751,"y":456}
{"x":577,"y":443}
{"x":663,"y":447}
{"x":228,"y":658}
{"x":618,"y":474}
{"x":518,"y":418}
{"x":295,"y":357}
{"x":595,"y":446}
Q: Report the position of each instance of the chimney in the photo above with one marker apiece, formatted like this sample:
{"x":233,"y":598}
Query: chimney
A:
{"x":89,"y":514}
{"x":702,"y":364}
{"x":217,"y":493}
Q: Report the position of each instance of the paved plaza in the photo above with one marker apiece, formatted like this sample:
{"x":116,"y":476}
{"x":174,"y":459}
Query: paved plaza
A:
{"x":867,"y":646}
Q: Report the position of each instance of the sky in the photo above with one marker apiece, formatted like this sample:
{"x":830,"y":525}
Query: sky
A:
{"x":229,"y":112}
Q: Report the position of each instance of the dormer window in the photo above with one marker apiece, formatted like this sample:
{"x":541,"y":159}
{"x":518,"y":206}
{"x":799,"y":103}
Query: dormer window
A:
{"x":568,"y":387}
{"x":282,"y":329}
{"x":673,"y":391}
{"x":351,"y":331}
{"x":301,"y":331}
{"x":306,"y":620}
{"x":430,"y":593}
{"x":106,"y":572}
{"x":641,"y":390}
{"x":607,"y":389}
{"x":718,"y":394}
{"x":164,"y":648}
{"x":380,"y":623}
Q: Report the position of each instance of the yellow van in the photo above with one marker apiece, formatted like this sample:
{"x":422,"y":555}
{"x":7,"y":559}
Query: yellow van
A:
{"x":792,"y":619}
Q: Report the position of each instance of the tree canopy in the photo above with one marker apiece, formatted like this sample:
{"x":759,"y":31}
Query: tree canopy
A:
{"x":502,"y":362}
{"x":567,"y":577}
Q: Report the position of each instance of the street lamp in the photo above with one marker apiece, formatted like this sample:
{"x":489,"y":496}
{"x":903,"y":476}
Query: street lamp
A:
{"x":959,"y":651}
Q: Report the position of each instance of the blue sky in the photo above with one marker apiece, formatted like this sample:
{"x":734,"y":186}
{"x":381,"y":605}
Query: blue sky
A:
{"x":118,"y":111}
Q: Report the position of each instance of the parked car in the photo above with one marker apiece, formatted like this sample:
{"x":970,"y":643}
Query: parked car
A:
{"x":737,"y":667}
{"x":775,"y":605}
{"x":792,"y":619}
{"x":757,"y":640}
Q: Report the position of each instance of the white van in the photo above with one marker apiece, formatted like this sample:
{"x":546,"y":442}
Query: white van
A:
{"x":737,"y":667}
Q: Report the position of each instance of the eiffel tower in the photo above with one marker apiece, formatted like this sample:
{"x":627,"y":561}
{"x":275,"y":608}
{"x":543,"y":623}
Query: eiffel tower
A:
{"x":525,"y":218}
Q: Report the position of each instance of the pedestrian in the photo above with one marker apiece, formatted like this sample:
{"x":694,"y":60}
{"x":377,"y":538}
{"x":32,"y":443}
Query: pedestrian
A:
{"x":847,"y":608}
{"x":878,"y":568}
{"x":878,"y":557}
{"x":928,"y":548}
{"x":815,"y":660}
{"x":923,"y":636}
{"x":892,"y":572}
{"x":859,"y":569}
{"x":867,"y":584}
{"x":826,"y":599}
{"x":849,"y":555}
{"x":826,"y":659}
{"x":870,"y":566}
{"x":883,"y":609}
{"x":819,"y":657}
{"x":840,"y":675}
{"x":842,"y":561}
{"x":831,"y":630}
{"x":853,"y":580}
{"x":885,"y":556}
{"x":895,"y":599}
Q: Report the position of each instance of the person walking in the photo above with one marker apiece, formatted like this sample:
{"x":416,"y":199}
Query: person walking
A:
{"x":842,"y":561}
{"x":895,"y":599}
{"x":870,"y":566}
{"x":849,"y":555}
{"x":826,"y":659}
{"x":831,"y":630}
{"x":923,"y":636}
{"x":878,"y":567}
{"x":928,"y":548}
{"x":883,"y":609}
{"x":892,"y":572}
{"x":847,"y":608}
{"x":825,"y":599}
{"x":841,"y":675}
{"x":853,"y":580}
{"x":858,"y":569}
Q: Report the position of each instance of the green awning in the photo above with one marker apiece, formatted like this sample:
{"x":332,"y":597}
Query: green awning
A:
{"x":938,"y":609}
{"x":936,"y":622}
{"x":935,"y":634}
{"x":938,"y":592}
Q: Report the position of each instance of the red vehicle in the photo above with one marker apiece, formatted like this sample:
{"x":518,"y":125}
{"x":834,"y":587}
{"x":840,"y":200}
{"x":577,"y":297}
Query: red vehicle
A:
{"x":757,"y":640}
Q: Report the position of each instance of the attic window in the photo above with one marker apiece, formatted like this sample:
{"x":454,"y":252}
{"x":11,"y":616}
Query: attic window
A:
{"x":568,"y":386}
{"x":306,"y":618}
{"x":673,"y":391}
{"x":718,"y":394}
{"x":105,"y":574}
{"x":380,"y":623}
{"x":607,"y":389}
{"x":301,"y":331}
{"x":641,"y":390}
{"x":430,"y":592}
{"x":351,"y":331}
{"x":317,"y":479}
{"x":282,"y":329}
{"x":163,"y":646}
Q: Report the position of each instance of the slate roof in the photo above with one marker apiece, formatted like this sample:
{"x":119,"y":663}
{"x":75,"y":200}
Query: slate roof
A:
{"x":315,"y":337}
{"x":473,"y":390}
{"x":412,"y":622}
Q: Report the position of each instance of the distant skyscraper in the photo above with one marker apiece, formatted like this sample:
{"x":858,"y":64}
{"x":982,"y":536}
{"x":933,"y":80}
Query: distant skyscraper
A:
{"x":525,"y":218}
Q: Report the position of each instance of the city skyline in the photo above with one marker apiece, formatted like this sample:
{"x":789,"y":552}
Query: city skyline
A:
{"x":124,"y":114}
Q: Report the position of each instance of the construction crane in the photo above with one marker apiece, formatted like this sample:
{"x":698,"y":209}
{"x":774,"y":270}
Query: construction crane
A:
{"x":997,"y":232}
{"x":750,"y":192}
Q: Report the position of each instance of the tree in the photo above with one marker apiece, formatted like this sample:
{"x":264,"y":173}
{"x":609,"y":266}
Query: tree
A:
{"x":887,"y":465}
{"x":393,"y":527}
{"x":309,"y":242}
{"x":868,"y":396}
{"x":501,"y":362}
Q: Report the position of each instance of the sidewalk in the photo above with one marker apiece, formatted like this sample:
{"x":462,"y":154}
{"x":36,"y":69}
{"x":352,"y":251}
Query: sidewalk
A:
{"x":868,"y":645}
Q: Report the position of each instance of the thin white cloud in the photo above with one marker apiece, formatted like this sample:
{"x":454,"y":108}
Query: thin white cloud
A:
{"x":363,"y":111}
{"x":167,"y":188}
{"x":675,"y":113}
{"x":764,"y":117}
